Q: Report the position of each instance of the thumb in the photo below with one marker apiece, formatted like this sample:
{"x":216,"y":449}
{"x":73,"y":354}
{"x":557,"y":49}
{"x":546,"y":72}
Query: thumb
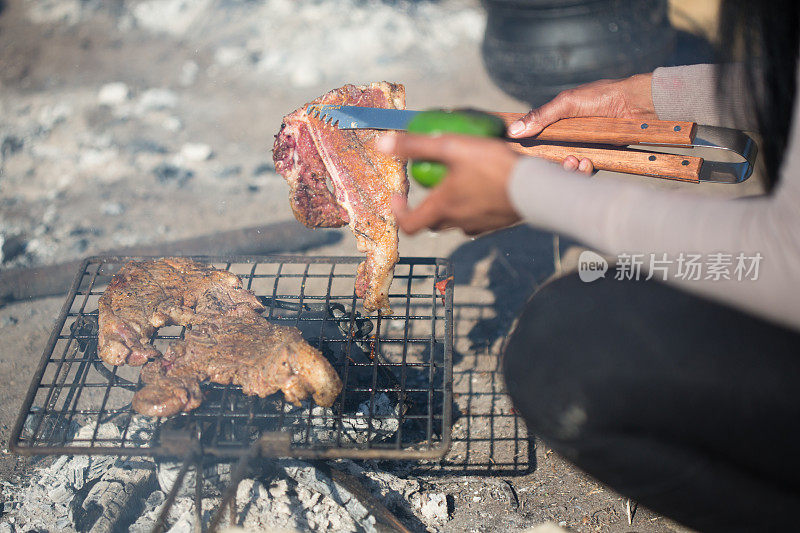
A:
{"x":538,"y":119}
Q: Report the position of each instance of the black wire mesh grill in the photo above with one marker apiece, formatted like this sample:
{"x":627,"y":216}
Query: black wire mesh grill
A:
{"x":396,"y":370}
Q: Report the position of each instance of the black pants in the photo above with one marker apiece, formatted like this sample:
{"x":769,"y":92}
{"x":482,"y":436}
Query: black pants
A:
{"x":688,"y":407}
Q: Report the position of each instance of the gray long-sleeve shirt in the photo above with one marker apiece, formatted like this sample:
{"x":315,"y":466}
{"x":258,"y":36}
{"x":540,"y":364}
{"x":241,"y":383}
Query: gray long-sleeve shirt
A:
{"x":628,"y":218}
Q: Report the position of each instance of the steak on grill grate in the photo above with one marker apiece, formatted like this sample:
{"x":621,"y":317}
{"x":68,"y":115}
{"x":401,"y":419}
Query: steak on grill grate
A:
{"x":308,"y":153}
{"x":146,"y":295}
{"x":239,"y":347}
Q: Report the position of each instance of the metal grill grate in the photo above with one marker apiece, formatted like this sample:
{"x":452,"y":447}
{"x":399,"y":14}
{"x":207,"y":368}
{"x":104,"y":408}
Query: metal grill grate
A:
{"x":396,"y":370}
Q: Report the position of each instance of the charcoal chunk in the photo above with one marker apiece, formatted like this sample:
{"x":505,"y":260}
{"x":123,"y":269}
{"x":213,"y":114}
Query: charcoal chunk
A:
{"x":168,"y":173}
{"x":263,"y":168}
{"x":11,"y":145}
{"x":13,"y":247}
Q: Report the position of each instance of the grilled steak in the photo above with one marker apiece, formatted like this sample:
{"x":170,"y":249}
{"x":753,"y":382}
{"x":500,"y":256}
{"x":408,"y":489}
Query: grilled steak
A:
{"x":239,"y":347}
{"x":309,"y":153}
{"x":146,"y":295}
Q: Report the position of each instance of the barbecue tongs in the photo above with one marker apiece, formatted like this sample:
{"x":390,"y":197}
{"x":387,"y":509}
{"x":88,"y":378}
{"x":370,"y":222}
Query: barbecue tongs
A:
{"x":584,"y":137}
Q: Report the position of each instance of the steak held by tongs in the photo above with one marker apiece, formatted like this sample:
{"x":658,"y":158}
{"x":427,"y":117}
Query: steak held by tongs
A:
{"x":313,"y":155}
{"x":583,"y":137}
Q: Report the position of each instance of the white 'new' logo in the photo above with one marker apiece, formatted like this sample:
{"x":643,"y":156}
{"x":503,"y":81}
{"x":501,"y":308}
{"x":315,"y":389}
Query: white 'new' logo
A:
{"x":591,"y":266}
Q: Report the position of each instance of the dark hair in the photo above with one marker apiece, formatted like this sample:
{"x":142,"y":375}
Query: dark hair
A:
{"x":765,"y":35}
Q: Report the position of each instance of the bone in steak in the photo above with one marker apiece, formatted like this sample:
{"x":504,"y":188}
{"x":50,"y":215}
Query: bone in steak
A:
{"x":239,"y":347}
{"x":146,"y":295}
{"x":308,"y":152}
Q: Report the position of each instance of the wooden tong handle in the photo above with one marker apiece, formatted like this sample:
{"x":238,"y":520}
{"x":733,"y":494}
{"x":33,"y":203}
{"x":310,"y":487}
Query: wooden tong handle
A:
{"x":616,"y":131}
{"x":669,"y":166}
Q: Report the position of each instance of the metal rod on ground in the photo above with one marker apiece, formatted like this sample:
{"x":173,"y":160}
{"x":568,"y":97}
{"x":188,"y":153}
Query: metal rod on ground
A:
{"x":232,"y":512}
{"x":385,"y":520}
{"x":229,"y":495}
{"x":198,"y":494}
{"x":630,"y":509}
{"x":161,"y":521}
{"x":51,"y":280}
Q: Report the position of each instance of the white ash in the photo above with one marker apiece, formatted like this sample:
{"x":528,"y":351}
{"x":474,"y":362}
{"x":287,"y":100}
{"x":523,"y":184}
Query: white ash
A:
{"x":152,"y":505}
{"x":105,"y":489}
{"x":433,"y":508}
{"x":181,"y":512}
{"x":156,"y":99}
{"x":169,"y":16}
{"x":270,"y":40}
{"x":74,"y":489}
{"x":260,"y":506}
{"x":301,"y":497}
{"x":112,"y":209}
{"x":196,"y":152}
{"x":378,"y":34}
{"x":93,"y":158}
{"x":324,"y":422}
{"x":228,"y":56}
{"x":51,"y":115}
{"x":279,"y":505}
{"x":113,"y":94}
{"x":189,"y":72}
{"x":385,"y":421}
{"x":75,"y":146}
{"x":117,"y":493}
{"x":172,"y":124}
{"x":312,"y":479}
{"x":68,"y":12}
{"x":402,"y":495}
{"x":216,"y":475}
{"x":140,"y":430}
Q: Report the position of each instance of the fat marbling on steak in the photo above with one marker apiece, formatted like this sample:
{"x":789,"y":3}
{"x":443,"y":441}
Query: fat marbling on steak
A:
{"x":146,"y":295}
{"x":309,"y":152}
{"x":238,"y":347}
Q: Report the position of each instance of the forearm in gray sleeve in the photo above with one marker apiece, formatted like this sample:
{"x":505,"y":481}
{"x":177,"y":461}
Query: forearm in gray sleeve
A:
{"x":626,"y":218}
{"x":693,"y":93}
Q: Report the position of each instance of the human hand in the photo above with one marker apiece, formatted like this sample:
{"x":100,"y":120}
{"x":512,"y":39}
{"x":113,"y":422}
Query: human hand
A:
{"x":472,"y":196}
{"x":625,"y":98}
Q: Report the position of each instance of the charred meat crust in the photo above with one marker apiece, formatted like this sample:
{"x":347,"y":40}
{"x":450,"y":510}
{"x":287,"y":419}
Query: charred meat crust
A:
{"x":309,"y":154}
{"x":146,"y":295}
{"x":241,"y":348}
{"x":227,"y":342}
{"x":311,"y":200}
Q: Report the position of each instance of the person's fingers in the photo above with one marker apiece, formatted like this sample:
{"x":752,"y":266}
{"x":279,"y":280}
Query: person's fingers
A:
{"x":436,"y":148}
{"x":473,"y":232}
{"x":427,"y":214}
{"x":570,"y":163}
{"x":538,"y":119}
{"x":585,"y":166}
{"x":398,"y":204}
